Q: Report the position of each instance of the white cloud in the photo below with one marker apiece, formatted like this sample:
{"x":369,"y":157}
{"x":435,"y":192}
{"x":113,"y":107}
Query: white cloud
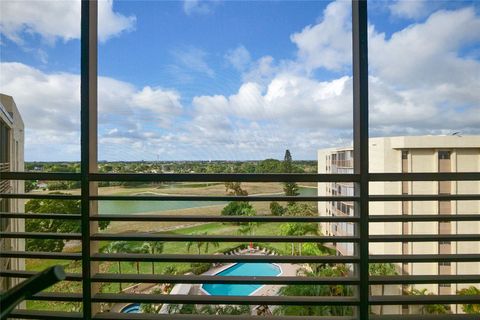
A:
{"x":192,"y":59}
{"x":328,"y":43}
{"x":199,"y":7}
{"x":58,"y":20}
{"x":410,"y":9}
{"x":51,"y":106}
{"x":239,"y":58}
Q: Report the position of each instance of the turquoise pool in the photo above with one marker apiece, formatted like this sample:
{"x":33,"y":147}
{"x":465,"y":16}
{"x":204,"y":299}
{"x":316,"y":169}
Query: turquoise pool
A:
{"x":241,"y":269}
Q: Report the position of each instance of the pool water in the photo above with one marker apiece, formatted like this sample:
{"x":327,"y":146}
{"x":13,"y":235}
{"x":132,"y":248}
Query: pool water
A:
{"x":241,"y":269}
{"x":131,"y":308}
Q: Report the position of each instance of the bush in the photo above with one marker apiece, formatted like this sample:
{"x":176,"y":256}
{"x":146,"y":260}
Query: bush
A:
{"x":200,"y":267}
{"x":238,"y":208}
{"x":276,"y":209}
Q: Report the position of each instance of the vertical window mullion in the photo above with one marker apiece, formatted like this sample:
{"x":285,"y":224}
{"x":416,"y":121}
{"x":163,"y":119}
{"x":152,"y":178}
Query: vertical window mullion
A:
{"x":360,"y":142}
{"x":88,"y":141}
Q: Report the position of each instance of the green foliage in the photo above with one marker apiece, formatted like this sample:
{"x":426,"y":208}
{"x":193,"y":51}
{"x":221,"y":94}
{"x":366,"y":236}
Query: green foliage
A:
{"x":269,"y":166}
{"x":225,"y":310}
{"x":470,"y":308}
{"x":30,"y":185}
{"x":298,"y":229}
{"x":316,"y":291}
{"x":238,"y":208}
{"x":201,"y":244}
{"x":200,"y":267}
{"x":276,"y":209}
{"x":290,"y":188}
{"x":300,"y":209}
{"x":430,"y":308}
{"x":382,"y":269}
{"x":53,"y":225}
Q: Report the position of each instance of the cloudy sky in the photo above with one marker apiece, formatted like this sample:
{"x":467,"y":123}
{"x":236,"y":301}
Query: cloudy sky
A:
{"x":238,"y":80}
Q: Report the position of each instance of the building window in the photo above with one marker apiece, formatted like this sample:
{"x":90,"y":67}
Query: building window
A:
{"x":404,"y":155}
{"x":443,"y":155}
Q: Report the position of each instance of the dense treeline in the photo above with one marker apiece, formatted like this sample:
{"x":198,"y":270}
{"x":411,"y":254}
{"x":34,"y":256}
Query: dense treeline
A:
{"x":263,"y":166}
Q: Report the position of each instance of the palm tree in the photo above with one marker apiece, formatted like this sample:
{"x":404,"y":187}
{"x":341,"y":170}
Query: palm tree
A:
{"x":317,"y":290}
{"x":155,"y":247}
{"x":298,"y":229}
{"x":200,"y":244}
{"x":144,"y":248}
{"x":470,"y":308}
{"x":117,"y":247}
{"x":382,"y":269}
{"x":248,"y":228}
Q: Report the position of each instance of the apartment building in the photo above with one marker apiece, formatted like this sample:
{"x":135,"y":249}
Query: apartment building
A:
{"x":11,"y":159}
{"x":411,"y":154}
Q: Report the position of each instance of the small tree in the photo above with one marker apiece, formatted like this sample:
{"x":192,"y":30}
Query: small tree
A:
{"x":201,"y":244}
{"x":290,"y":188}
{"x":155,"y":247}
{"x":276,"y":209}
{"x":430,"y":308}
{"x":238,"y":208}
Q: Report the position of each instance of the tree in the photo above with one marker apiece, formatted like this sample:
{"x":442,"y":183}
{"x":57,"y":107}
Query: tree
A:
{"x":317,"y":290}
{"x":53,"y":225}
{"x":298,"y":229}
{"x":117,"y":247}
{"x":290,"y":188}
{"x":470,"y":308}
{"x":382,"y":269}
{"x":248,"y":228}
{"x":276,"y":209}
{"x":155,"y":247}
{"x":202,"y":244}
{"x":143,"y":248}
{"x":235,"y":188}
{"x":30,"y":185}
{"x":300,"y":209}
{"x":238,"y":208}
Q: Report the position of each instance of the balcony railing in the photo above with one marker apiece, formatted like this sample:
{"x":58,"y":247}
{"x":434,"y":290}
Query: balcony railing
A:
{"x":95,"y":304}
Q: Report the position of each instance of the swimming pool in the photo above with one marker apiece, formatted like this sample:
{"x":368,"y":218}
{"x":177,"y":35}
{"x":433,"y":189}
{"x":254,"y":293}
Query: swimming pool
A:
{"x":241,"y":269}
{"x":131,"y":308}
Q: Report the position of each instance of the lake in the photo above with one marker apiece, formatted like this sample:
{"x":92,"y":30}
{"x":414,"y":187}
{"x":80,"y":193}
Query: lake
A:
{"x":127,"y":207}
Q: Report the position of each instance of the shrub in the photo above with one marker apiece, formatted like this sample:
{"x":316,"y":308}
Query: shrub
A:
{"x":200,"y":267}
{"x":276,"y":209}
{"x":238,"y":208}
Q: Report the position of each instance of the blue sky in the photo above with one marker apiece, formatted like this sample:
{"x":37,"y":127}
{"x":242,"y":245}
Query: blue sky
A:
{"x":238,"y":79}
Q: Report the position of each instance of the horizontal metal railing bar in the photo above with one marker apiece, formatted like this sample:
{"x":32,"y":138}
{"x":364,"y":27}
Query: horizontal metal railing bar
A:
{"x":40,"y":235}
{"x":14,"y":215}
{"x":47,"y":315}
{"x":218,"y":218}
{"x":424,"y":217}
{"x":41,"y":255}
{"x":39,"y":196}
{"x":224,"y":177}
{"x":423,"y":279}
{"x":419,"y":299}
{"x":68,"y":176}
{"x":424,"y":317}
{"x":423,"y":197}
{"x":423,"y":237}
{"x":159,"y":278}
{"x":58,"y":296}
{"x":425,"y":176}
{"x":464,"y":257}
{"x":206,"y":299}
{"x":224,"y":198}
{"x":145,"y":316}
{"x":216,"y":238}
{"x":27,"y":274}
{"x":244,"y":177}
{"x":220,"y":258}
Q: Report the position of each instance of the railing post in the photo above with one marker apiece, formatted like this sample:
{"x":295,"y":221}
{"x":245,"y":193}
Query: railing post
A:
{"x":88,"y":139}
{"x":360,"y":142}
